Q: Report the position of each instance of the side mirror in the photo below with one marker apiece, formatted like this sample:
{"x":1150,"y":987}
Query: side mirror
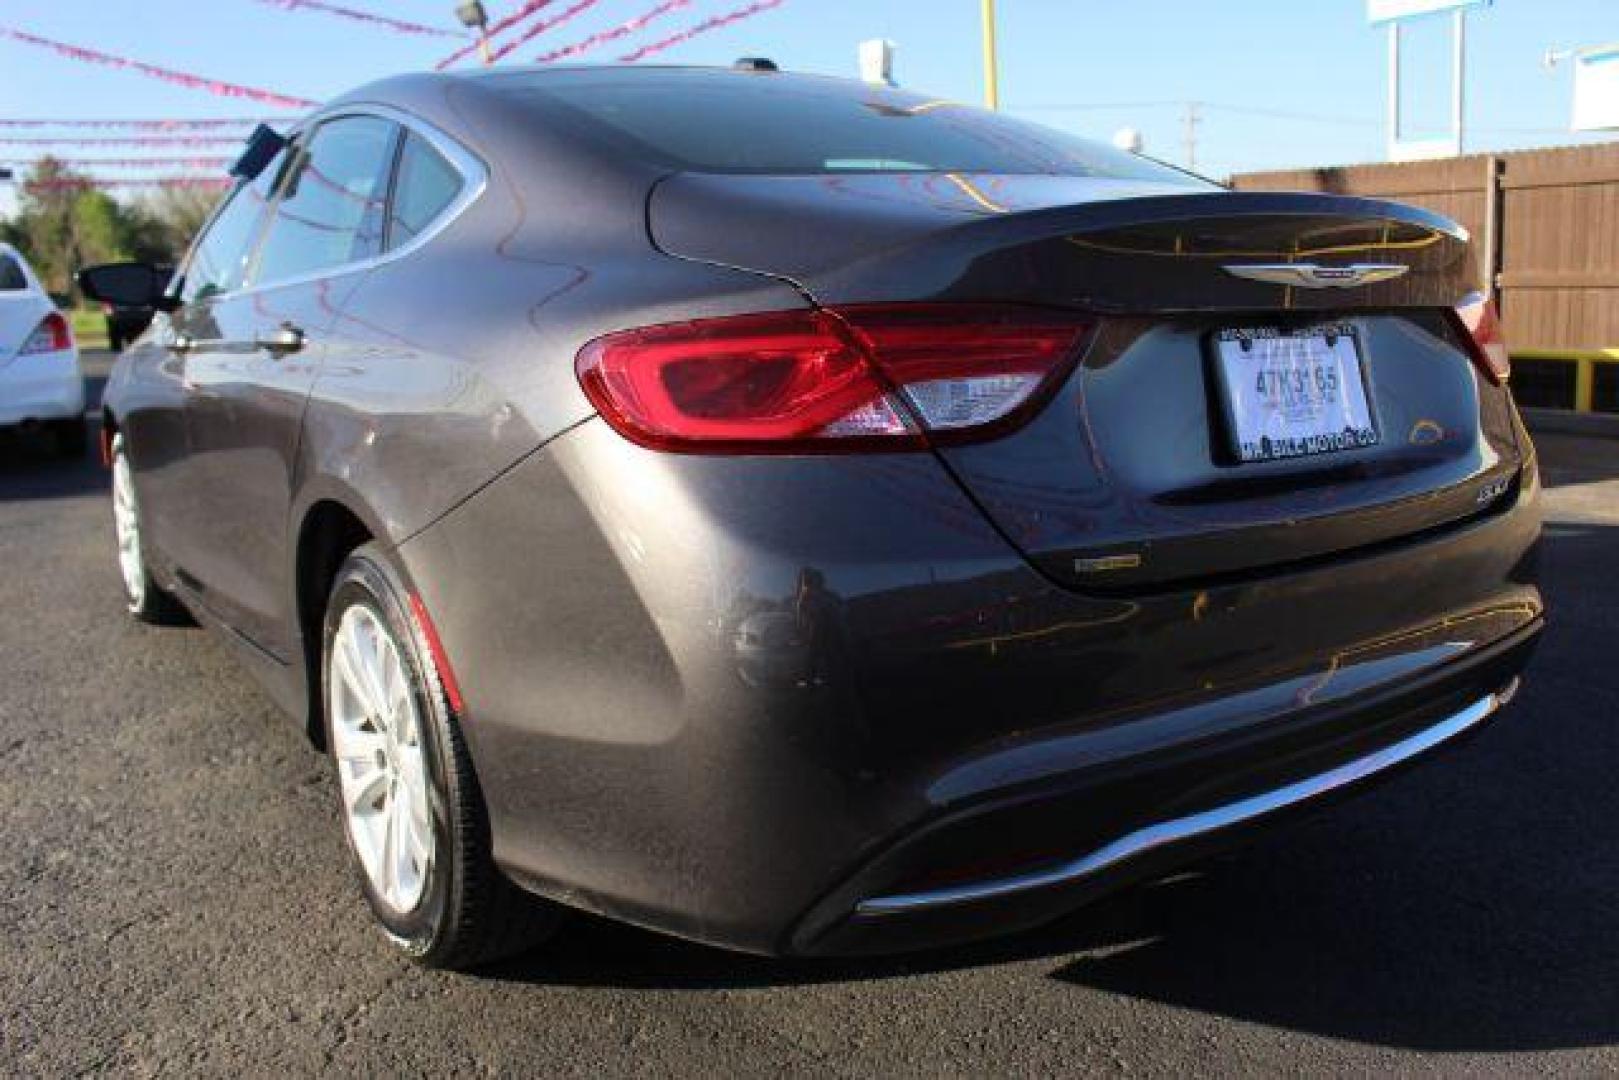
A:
{"x":128,"y":285}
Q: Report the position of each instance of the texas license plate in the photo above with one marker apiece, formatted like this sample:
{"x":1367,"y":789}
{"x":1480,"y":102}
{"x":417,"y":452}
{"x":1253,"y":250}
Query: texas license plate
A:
{"x":1294,"y":393}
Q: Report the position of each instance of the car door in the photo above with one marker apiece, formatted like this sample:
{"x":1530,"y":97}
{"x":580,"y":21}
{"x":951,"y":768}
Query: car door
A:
{"x":153,"y":388}
{"x":248,"y":383}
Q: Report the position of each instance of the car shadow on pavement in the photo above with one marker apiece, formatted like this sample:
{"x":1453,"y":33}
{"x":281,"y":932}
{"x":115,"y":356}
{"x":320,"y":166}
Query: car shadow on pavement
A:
{"x":1467,"y":905}
{"x":31,"y":468}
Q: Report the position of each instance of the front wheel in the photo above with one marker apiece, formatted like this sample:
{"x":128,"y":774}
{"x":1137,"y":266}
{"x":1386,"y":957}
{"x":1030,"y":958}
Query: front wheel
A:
{"x":143,"y":597}
{"x":411,"y":806}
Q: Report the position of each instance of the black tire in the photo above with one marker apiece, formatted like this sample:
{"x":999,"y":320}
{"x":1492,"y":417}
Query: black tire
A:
{"x":147,"y":601}
{"x":72,"y":437}
{"x":468,"y":913}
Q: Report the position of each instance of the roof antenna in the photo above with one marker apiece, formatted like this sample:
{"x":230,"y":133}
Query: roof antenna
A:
{"x":755,"y":63}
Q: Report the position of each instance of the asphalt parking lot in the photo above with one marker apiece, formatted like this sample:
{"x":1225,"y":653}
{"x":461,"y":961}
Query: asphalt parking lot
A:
{"x":174,"y":895}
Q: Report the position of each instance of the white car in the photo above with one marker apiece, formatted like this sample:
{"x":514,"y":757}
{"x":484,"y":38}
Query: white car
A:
{"x":40,"y":380}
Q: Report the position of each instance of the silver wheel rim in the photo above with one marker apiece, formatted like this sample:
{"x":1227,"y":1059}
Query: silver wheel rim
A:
{"x":382,"y":773}
{"x":127,"y":526}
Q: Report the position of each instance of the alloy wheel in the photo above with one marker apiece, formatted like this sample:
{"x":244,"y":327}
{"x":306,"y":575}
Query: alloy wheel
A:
{"x":127,"y":528}
{"x":382,"y":770}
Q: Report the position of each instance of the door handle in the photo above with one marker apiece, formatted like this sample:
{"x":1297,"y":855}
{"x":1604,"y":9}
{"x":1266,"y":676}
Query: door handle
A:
{"x":281,"y":341}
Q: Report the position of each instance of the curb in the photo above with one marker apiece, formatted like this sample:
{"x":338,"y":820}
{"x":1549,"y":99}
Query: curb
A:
{"x":1565,"y":422}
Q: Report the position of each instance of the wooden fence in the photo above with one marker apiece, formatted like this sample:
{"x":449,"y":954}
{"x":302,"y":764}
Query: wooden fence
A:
{"x":1546,"y":225}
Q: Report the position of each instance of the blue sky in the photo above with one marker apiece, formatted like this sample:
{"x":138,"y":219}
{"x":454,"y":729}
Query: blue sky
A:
{"x":1091,"y":66}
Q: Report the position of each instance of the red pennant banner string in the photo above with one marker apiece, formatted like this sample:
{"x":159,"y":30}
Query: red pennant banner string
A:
{"x":500,"y":27}
{"x":126,"y":140}
{"x":354,"y":14}
{"x":145,"y":125}
{"x":701,"y":28}
{"x":207,"y":183}
{"x":179,"y":78}
{"x":541,"y":27}
{"x":622,"y":30}
{"x":129,"y":163}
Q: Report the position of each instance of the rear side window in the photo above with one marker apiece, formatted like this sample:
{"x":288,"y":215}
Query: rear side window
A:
{"x":12,"y":279}
{"x":426,"y":186}
{"x":330,"y":210}
{"x":727,"y":122}
{"x":219,"y":259}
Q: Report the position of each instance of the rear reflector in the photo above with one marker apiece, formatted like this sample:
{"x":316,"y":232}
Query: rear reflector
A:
{"x":52,"y":335}
{"x":880,"y":377}
{"x":441,"y":659}
{"x":1484,"y":331}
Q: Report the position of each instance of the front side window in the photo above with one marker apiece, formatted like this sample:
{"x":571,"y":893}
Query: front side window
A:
{"x":219,"y":259}
{"x":426,"y":186}
{"x":332,"y":199}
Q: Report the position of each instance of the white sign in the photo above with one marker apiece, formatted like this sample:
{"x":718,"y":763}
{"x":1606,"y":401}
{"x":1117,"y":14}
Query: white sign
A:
{"x":877,"y":61}
{"x":1382,"y":11}
{"x":1596,"y":91}
{"x":1443,"y":146}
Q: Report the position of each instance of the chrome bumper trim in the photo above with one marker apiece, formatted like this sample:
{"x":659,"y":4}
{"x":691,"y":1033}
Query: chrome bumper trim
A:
{"x":1199,"y":824}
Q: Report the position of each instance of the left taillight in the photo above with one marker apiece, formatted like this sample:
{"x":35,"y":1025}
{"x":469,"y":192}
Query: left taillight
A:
{"x":1478,"y":315}
{"x":51,"y":335}
{"x":880,"y":377}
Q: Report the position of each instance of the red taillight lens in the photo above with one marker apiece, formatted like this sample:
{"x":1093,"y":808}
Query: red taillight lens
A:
{"x":1489,"y":344}
{"x":52,"y":335}
{"x":965,"y":371}
{"x":880,"y":377}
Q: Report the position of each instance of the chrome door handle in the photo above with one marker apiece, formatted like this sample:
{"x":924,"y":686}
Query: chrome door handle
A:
{"x":284,"y":339}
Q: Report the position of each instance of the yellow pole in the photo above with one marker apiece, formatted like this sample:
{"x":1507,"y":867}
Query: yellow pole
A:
{"x":992,"y":93}
{"x":1585,"y":378}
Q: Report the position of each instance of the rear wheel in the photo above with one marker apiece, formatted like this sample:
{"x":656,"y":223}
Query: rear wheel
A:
{"x":412,"y":810}
{"x":143,"y":597}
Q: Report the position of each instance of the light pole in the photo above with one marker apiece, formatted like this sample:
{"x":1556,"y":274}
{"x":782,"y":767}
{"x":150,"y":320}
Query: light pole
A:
{"x":992,"y":91}
{"x":474,"y":17}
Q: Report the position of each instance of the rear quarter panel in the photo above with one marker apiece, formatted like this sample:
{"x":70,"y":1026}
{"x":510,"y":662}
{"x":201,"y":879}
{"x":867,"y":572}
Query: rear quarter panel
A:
{"x":453,"y":362}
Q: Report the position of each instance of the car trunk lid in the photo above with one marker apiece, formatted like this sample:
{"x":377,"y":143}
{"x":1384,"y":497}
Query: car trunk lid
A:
{"x":1142,"y":472}
{"x":20,"y":315}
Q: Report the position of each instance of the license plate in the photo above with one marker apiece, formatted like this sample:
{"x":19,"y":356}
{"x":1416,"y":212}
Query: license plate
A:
{"x":1294,"y":393}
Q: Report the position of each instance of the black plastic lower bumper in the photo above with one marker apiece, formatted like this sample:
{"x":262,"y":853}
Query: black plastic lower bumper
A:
{"x":1017,"y":862}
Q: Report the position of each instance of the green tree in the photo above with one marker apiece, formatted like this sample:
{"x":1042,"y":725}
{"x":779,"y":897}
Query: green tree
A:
{"x":64,"y":222}
{"x":169,"y":219}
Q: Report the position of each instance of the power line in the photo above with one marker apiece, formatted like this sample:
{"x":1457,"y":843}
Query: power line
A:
{"x":1217,"y":106}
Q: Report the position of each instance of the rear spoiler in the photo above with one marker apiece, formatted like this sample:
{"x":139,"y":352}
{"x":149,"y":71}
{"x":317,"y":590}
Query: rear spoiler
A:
{"x":1121,"y":250}
{"x":1218,"y":251}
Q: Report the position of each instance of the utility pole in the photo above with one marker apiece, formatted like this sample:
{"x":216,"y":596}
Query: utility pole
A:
{"x":992,"y":92}
{"x":1189,"y":121}
{"x":1458,"y":85}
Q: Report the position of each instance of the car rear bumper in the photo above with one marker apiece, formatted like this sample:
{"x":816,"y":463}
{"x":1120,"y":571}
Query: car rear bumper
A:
{"x":737,"y":698}
{"x":46,"y":386}
{"x":980,"y":871}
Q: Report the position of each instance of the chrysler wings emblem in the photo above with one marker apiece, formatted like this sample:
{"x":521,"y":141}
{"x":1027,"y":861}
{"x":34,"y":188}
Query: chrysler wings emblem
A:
{"x":1311,"y":276}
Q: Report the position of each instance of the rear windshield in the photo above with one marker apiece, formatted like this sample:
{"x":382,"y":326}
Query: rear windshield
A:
{"x":724,"y":122}
{"x":11,"y":275}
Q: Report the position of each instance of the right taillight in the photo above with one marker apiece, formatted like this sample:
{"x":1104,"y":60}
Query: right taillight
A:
{"x":52,"y":335}
{"x":882,"y":377}
{"x":1478,"y":315}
